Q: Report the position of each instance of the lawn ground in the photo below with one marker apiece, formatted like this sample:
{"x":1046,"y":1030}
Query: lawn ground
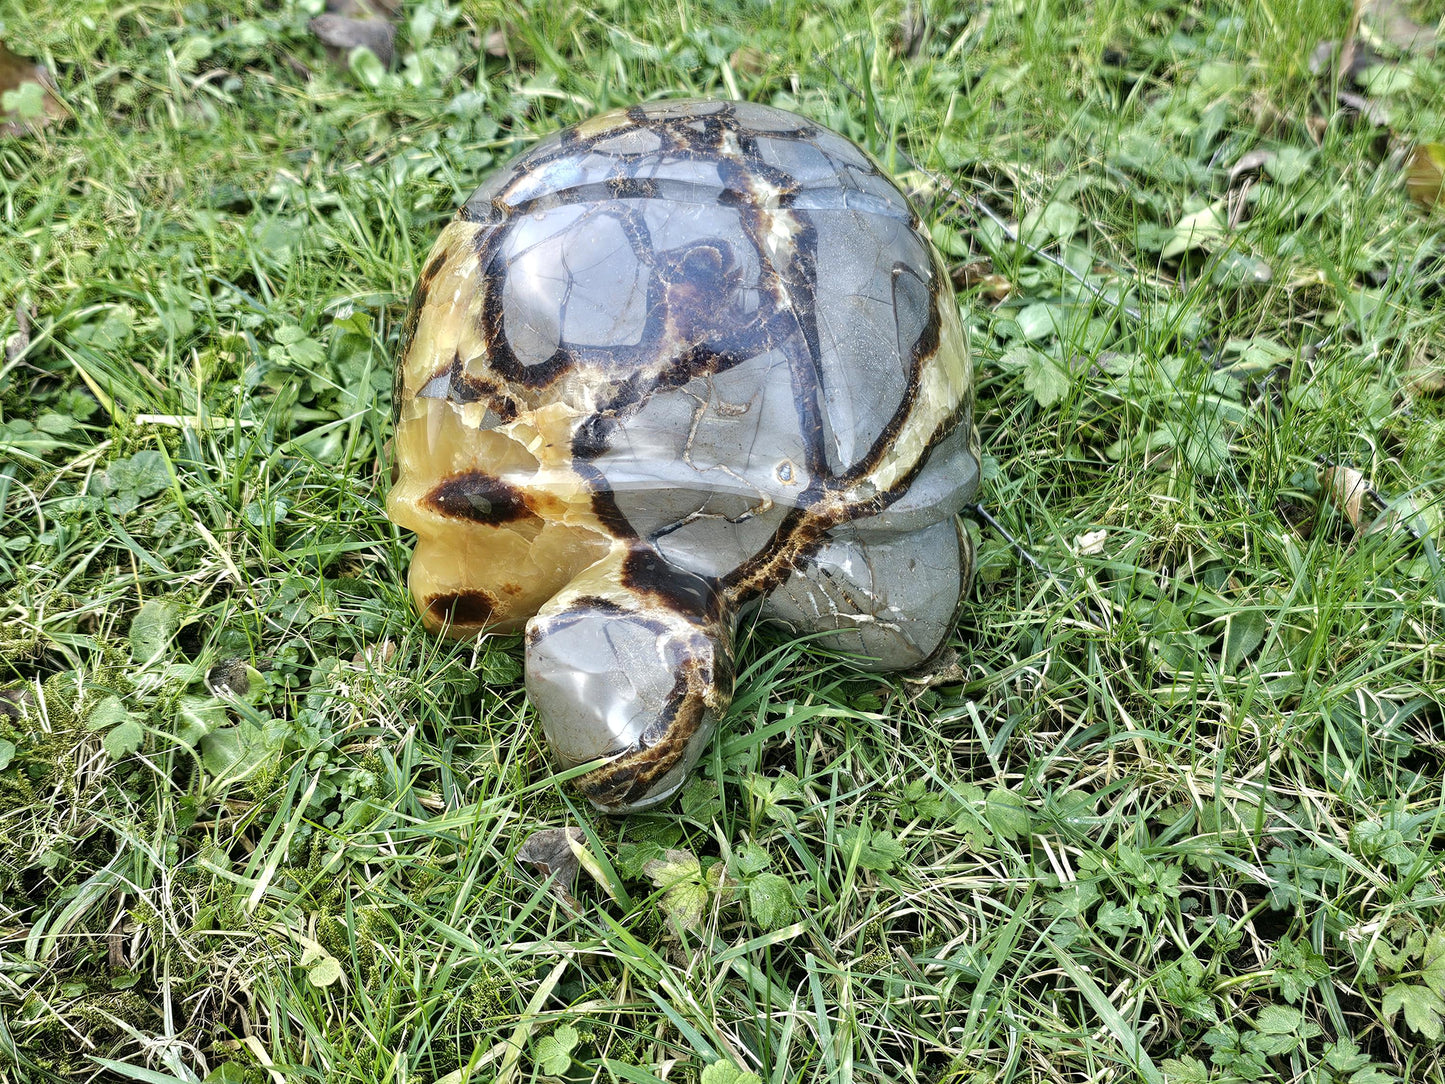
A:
{"x":1169,"y":809}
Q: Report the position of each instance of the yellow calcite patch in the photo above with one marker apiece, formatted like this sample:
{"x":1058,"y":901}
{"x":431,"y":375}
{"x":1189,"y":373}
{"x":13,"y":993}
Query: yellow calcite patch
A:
{"x":502,"y":573}
{"x":448,"y":325}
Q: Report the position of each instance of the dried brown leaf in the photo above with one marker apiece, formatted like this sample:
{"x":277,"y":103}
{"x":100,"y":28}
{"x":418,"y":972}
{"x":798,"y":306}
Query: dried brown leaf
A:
{"x":115,"y":948}
{"x":28,"y":109}
{"x":1388,"y":20}
{"x":748,"y":60}
{"x":1425,"y":371}
{"x":1250,"y":162}
{"x":1347,"y":489}
{"x":1425,"y":173}
{"x":551,"y":851}
{"x":1322,"y":56}
{"x":365,"y":9}
{"x":911,"y":32}
{"x":375,"y":654}
{"x":1339,"y":66}
{"x":343,"y":33}
{"x":1351,"y":492}
{"x":980,"y":273}
{"x":14,"y":702}
{"x":506,"y":41}
{"x":1270,"y":120}
{"x":19,"y":342}
{"x":1371,"y":110}
{"x":945,"y":668}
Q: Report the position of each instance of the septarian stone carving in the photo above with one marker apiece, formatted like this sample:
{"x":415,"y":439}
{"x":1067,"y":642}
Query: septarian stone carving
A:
{"x":672,"y":362}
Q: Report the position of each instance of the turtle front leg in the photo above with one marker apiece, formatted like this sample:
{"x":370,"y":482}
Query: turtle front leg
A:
{"x":632,"y":661}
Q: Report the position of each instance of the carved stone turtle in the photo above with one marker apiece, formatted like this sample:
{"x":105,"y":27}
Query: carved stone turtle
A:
{"x":676,"y":361}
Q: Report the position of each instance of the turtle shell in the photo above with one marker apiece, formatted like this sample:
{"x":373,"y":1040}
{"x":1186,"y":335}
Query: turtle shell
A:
{"x":676,"y":359}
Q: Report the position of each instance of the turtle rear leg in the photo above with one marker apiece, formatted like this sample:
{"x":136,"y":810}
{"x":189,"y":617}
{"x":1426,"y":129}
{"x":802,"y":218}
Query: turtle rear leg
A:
{"x":889,"y":600}
{"x":631,"y":661}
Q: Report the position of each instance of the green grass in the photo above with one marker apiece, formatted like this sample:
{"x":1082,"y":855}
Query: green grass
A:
{"x":1169,"y":810}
